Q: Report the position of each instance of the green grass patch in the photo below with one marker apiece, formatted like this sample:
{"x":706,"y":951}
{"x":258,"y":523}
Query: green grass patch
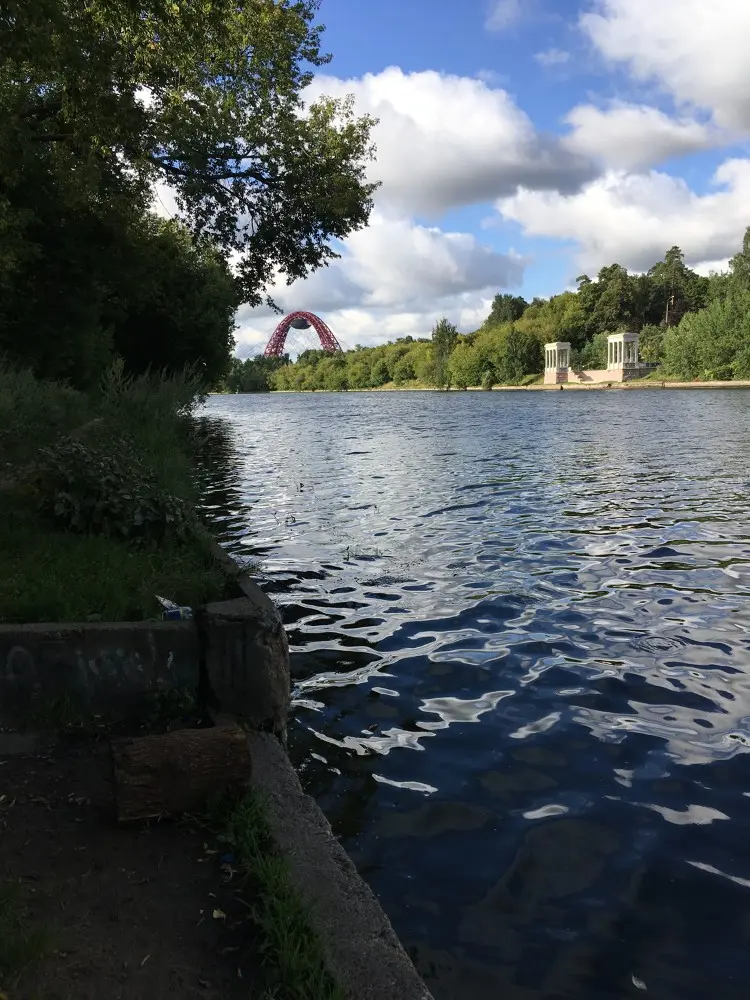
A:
{"x":22,"y":942}
{"x":68,"y":545}
{"x":290,"y":946}
{"x":51,"y":575}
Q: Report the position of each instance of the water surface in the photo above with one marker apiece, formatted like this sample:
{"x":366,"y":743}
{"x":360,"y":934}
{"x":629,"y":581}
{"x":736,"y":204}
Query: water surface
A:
{"x":520,"y":637}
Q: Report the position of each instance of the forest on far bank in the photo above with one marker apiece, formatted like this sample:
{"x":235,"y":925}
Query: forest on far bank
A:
{"x":691,"y":326}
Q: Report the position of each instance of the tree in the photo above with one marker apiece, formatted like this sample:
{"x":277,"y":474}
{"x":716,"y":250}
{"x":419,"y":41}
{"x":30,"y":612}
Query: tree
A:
{"x":204,"y":98}
{"x":444,"y":338}
{"x":379,"y":373}
{"x":739,"y":265}
{"x":359,"y":375}
{"x":593,"y":355}
{"x":521,"y":356}
{"x":558,"y":318}
{"x":136,"y":287}
{"x":179,"y":301}
{"x":614,"y":308}
{"x":707,"y":344}
{"x":403,"y":370}
{"x":677,"y":289}
{"x":254,"y":374}
{"x":465,"y":366}
{"x":711,"y":341}
{"x":651,"y":345}
{"x":506,"y":309}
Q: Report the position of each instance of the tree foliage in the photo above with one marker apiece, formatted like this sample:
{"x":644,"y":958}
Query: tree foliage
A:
{"x":203,"y":97}
{"x":444,"y":339}
{"x":102,"y":102}
{"x":253,"y":374}
{"x":506,"y":309}
{"x":690,"y":326}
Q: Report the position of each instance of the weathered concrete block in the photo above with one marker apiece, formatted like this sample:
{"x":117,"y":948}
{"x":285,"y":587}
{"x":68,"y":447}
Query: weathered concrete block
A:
{"x":247,"y":658}
{"x":104,"y":668}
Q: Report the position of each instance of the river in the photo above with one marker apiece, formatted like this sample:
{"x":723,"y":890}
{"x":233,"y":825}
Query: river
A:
{"x":520,"y":635}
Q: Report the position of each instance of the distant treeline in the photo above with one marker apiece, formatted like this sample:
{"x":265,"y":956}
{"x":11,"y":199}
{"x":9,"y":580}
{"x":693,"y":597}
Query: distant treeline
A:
{"x":691,"y":326}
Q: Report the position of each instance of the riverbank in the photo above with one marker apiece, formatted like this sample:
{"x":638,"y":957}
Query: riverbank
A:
{"x":251,"y":897}
{"x":535,"y":387}
{"x":96,"y":500}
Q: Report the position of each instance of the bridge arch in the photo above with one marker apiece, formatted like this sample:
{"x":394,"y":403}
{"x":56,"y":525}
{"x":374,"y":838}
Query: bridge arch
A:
{"x":301,"y":321}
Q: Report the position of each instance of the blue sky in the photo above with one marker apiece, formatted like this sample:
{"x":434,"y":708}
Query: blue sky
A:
{"x":522,"y":142}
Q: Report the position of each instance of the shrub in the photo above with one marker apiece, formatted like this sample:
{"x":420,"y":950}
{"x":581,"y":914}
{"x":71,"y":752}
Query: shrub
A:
{"x":154,"y":412}
{"x":488,"y":378}
{"x":34,"y":413}
{"x":108,"y":491}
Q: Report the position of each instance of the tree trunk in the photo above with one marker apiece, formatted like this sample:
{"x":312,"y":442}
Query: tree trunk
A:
{"x":172,"y":773}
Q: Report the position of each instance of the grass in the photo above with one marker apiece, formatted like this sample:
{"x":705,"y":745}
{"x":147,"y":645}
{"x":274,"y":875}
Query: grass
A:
{"x":21,"y":942}
{"x":52,"y":575}
{"x":290,"y":946}
{"x":34,"y":413}
{"x":48,"y":573}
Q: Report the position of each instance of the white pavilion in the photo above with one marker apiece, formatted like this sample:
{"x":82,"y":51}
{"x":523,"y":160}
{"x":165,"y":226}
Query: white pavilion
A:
{"x":622,"y":362}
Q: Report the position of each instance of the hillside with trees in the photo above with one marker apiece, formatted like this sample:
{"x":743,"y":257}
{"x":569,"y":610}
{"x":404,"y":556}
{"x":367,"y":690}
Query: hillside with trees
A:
{"x":691,"y":327}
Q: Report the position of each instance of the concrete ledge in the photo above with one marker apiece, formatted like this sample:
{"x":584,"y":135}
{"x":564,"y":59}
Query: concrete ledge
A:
{"x":106,"y":667}
{"x":247,"y":660}
{"x":362,"y":950}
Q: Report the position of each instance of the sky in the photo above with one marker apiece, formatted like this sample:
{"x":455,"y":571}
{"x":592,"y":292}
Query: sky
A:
{"x":521,"y":143}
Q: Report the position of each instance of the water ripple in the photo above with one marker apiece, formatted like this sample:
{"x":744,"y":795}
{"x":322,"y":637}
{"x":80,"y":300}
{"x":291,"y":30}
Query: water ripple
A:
{"x":547,"y":598}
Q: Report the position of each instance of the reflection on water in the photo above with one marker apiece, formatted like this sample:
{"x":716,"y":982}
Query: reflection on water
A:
{"x":520,"y":643}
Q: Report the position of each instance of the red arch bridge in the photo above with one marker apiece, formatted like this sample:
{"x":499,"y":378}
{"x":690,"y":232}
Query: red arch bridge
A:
{"x":301,"y":321}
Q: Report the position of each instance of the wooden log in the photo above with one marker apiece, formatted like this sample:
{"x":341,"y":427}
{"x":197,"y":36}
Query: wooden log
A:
{"x":163,"y":775}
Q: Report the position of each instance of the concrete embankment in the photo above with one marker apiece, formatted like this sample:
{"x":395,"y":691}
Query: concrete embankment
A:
{"x":364,"y":954}
{"x":237,"y":651}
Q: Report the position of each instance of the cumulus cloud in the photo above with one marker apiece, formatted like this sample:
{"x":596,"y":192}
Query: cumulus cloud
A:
{"x":394,"y":278}
{"x":695,"y":49}
{"x":448,"y":141}
{"x":633,"y":136}
{"x":502,"y":14}
{"x":552,"y":57}
{"x":634,"y":218}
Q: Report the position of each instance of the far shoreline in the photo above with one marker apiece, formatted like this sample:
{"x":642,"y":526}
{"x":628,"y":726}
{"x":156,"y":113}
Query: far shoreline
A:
{"x":568,"y":387}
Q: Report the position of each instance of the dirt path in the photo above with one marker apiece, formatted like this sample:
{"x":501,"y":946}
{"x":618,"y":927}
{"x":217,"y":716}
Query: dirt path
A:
{"x":128,"y":913}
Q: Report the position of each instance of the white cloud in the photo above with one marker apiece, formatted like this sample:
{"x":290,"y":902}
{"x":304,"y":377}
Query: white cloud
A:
{"x":492,"y":78}
{"x":633,"y":136}
{"x":394,"y":278}
{"x":705,"y":267}
{"x":446,"y":141}
{"x":552,"y":57}
{"x":695,"y":49}
{"x":502,"y":14}
{"x":634,"y":218}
